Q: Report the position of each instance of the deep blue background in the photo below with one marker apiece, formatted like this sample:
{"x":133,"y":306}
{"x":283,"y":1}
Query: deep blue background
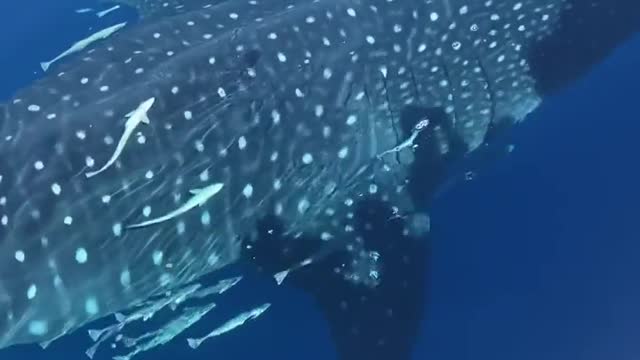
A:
{"x":536,"y":258}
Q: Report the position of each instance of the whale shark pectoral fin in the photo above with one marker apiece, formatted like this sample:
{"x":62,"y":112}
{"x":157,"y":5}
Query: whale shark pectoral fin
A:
{"x":371,"y":288}
{"x":380,"y":321}
{"x":369,"y":276}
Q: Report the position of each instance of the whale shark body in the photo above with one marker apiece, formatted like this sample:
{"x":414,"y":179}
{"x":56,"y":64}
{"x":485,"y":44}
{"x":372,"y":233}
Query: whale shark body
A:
{"x":288,"y":133}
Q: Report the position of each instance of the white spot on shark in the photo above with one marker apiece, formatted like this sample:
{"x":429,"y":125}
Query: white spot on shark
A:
{"x":38,"y":327}
{"x":81,"y":255}
{"x":32,"y":291}
{"x":91,"y":306}
{"x":20,"y":256}
{"x":157,"y":257}
{"x":125,"y":278}
{"x":247,"y":191}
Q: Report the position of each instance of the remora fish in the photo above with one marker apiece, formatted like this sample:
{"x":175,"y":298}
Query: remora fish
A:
{"x":301,"y":110}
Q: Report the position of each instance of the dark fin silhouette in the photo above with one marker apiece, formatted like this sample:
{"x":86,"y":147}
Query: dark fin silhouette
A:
{"x":366,"y":322}
{"x":589,"y":31}
{"x":381,"y":321}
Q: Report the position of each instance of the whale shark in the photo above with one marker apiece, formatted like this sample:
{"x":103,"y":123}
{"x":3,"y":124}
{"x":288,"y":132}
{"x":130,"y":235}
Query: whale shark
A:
{"x":305,"y":137}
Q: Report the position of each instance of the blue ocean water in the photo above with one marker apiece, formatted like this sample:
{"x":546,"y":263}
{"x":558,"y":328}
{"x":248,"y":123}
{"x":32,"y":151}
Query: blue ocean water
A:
{"x":535,"y":258}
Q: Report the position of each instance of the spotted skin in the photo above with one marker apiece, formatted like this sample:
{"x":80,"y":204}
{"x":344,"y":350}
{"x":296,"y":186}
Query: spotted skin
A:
{"x":287,"y":104}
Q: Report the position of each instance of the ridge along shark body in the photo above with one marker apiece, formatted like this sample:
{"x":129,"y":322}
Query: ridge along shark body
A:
{"x":151,"y":159}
